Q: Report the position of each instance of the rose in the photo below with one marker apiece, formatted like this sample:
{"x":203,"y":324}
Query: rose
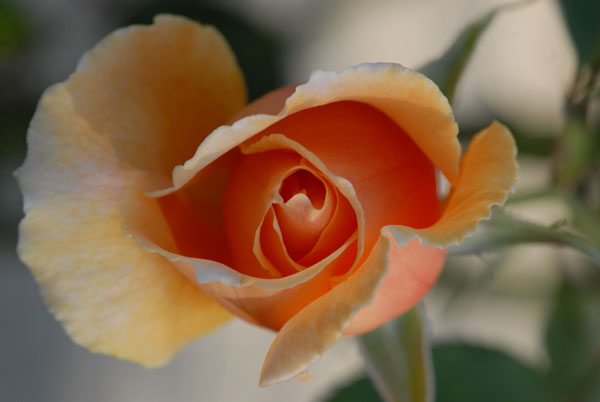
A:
{"x":314,"y":218}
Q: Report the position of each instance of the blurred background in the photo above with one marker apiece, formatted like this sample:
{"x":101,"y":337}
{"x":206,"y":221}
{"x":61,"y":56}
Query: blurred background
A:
{"x":521,"y":324}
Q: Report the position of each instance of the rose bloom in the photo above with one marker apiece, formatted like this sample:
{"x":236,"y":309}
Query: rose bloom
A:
{"x":158,"y":205}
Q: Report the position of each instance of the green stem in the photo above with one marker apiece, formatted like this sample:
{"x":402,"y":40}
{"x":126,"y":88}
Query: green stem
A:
{"x":504,"y":231}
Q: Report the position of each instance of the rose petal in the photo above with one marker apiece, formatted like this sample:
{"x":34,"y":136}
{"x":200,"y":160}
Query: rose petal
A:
{"x":156,"y":91}
{"x":194,"y":215}
{"x":340,"y":228}
{"x":407,"y":97}
{"x":263,"y":301}
{"x":203,"y":271}
{"x":304,"y":211}
{"x":111,"y":296}
{"x":270,"y":244}
{"x":345,"y":223}
{"x":272,"y":308}
{"x":393,"y":179}
{"x":488,"y":174}
{"x":414,"y":103}
{"x":304,"y":338}
{"x":251,"y":190}
{"x":269,"y":247}
{"x":412,"y":272}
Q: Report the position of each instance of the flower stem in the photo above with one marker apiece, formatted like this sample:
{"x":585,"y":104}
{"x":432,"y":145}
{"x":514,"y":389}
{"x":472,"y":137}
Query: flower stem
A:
{"x":503,"y":231}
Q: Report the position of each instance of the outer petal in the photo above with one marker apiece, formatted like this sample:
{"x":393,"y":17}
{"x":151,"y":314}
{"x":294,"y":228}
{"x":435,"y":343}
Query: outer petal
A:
{"x":488,"y":173}
{"x":413,"y":270}
{"x":137,"y":93}
{"x":157,"y":91}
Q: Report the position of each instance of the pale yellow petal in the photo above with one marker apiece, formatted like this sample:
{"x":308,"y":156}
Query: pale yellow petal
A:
{"x":110,"y":295}
{"x":156,"y":91}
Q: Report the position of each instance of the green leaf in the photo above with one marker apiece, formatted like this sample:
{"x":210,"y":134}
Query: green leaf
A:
{"x":14,"y":29}
{"x":447,"y":70}
{"x":582,"y":17}
{"x":398,"y":358}
{"x":533,"y":145}
{"x":573,"y":342}
{"x":359,"y":390}
{"x":466,"y":373}
{"x":575,"y":152}
{"x":472,"y":374}
{"x":584,"y":218}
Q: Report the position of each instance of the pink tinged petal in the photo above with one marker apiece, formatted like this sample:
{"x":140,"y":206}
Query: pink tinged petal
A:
{"x":488,"y":174}
{"x":413,"y":271}
{"x":317,"y":327}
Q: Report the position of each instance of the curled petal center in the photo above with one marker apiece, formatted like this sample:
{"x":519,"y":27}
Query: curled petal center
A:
{"x":304,"y":182}
{"x":306,"y":208}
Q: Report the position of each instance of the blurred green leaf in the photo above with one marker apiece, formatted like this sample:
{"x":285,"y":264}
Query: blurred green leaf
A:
{"x":472,"y":374}
{"x":14,"y":119}
{"x":14,"y":30}
{"x":541,"y":144}
{"x":583,"y":20}
{"x":398,"y":358}
{"x":447,"y":70}
{"x":573,"y":343}
{"x":533,"y":145}
{"x":359,"y":390}
{"x":584,"y":219}
{"x":575,"y":152}
{"x":465,"y":373}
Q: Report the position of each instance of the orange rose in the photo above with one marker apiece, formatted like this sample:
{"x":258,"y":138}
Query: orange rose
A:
{"x":314,"y":213}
